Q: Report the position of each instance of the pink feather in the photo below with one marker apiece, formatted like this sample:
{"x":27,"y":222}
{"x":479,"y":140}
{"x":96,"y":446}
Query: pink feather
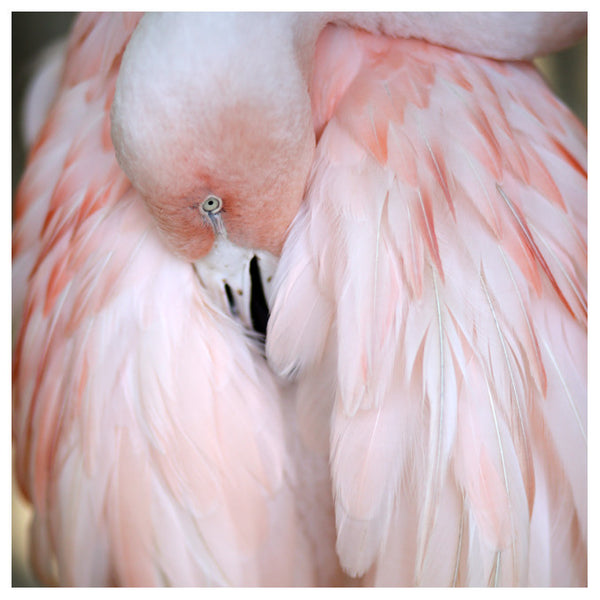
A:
{"x":455,"y":251}
{"x":143,"y":468}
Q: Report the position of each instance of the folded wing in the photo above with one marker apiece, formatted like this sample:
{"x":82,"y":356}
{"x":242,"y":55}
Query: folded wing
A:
{"x":431,"y":304}
{"x":149,"y":433}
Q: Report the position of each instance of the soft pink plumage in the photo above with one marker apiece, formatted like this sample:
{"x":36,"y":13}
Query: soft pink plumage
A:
{"x":442,"y":254}
{"x":150,"y":435}
{"x":430,"y":303}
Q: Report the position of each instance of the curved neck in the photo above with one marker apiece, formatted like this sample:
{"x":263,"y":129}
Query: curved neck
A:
{"x":502,"y":36}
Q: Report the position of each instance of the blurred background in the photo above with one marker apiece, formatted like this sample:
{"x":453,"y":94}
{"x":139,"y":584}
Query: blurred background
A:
{"x":565,"y":71}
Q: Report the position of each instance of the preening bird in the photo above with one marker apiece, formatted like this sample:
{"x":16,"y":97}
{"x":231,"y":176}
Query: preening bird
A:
{"x":415,"y":199}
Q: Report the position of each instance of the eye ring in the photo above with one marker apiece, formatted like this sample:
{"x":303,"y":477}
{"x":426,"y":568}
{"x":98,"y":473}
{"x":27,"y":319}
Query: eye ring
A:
{"x":211,"y":205}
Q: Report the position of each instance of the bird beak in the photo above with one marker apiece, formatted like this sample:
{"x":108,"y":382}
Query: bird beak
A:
{"x":238,"y":281}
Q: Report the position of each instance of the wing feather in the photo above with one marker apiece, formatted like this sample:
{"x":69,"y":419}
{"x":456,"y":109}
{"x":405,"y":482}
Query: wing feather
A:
{"x":444,"y":236}
{"x":149,"y":432}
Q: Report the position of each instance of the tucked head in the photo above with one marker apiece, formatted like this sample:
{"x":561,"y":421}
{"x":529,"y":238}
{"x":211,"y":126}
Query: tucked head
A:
{"x":214,"y":105}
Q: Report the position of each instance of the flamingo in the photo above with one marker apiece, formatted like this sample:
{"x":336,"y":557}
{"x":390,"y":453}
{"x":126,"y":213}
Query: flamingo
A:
{"x":415,"y":198}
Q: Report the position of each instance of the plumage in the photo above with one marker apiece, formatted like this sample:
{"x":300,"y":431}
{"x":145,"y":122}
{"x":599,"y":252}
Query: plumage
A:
{"x":417,"y":415}
{"x":446,"y":283}
{"x":163,"y":470}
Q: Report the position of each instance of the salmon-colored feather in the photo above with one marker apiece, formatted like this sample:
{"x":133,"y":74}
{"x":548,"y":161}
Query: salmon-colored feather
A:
{"x":455,"y":250}
{"x":142,"y":469}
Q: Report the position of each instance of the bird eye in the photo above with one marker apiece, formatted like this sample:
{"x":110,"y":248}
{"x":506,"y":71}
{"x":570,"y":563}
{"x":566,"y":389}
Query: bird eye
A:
{"x":211,"y":205}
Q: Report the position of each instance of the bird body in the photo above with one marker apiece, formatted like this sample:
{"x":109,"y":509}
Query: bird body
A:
{"x":440,"y":261}
{"x":420,"y":418}
{"x":150,"y":435}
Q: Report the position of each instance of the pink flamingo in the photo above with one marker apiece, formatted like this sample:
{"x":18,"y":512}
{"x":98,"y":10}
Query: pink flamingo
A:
{"x":429,"y":304}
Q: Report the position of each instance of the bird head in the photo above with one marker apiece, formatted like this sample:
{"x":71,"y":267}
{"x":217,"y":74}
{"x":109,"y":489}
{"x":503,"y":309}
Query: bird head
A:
{"x":211,"y":122}
{"x":211,"y":119}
